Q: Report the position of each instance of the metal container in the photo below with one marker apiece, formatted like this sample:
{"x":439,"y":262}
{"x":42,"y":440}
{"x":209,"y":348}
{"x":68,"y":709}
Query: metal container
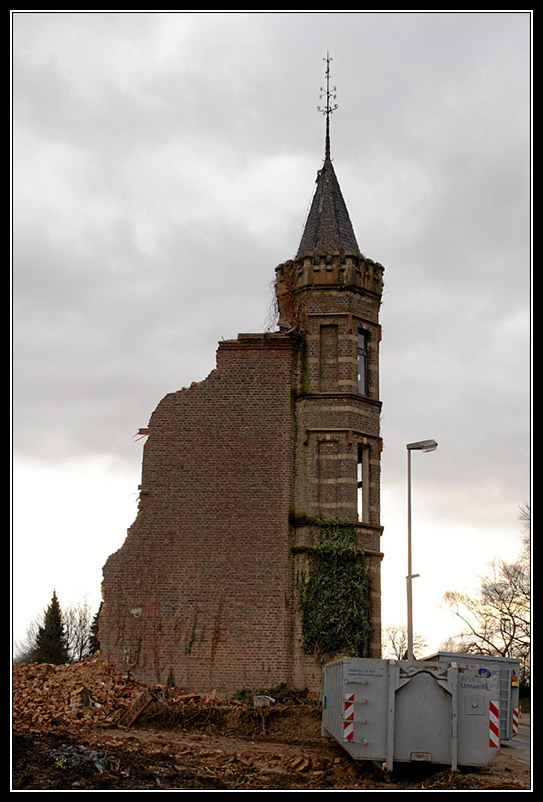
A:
{"x":407,"y":711}
{"x":508,"y":670}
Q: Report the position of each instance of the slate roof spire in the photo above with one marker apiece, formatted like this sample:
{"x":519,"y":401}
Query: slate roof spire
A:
{"x":328,"y":228}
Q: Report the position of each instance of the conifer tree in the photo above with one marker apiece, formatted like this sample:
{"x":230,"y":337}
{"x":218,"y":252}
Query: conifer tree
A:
{"x":51,"y":646}
{"x":94,"y":643}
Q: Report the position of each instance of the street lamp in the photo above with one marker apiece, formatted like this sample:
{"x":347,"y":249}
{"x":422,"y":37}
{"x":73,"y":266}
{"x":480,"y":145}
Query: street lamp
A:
{"x":422,"y":445}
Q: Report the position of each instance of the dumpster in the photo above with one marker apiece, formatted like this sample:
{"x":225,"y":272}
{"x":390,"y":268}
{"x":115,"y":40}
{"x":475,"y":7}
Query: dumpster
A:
{"x":508,"y":670}
{"x":411,"y":711}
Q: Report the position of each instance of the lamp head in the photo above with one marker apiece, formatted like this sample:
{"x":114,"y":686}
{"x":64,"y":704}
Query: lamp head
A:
{"x":422,"y":445}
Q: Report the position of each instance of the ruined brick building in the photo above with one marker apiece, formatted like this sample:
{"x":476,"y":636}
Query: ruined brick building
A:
{"x":237,"y":470}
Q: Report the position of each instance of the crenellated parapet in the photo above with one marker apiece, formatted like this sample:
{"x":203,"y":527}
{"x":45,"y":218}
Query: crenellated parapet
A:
{"x":336,"y":271}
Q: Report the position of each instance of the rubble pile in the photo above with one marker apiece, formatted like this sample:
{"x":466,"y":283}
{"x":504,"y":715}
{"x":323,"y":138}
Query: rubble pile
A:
{"x":88,"y":692}
{"x":94,"y":693}
{"x":89,"y":726}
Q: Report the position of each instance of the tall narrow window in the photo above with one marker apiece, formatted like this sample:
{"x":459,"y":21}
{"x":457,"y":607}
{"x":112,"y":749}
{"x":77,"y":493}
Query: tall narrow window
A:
{"x":362,"y":358}
{"x":362,"y":484}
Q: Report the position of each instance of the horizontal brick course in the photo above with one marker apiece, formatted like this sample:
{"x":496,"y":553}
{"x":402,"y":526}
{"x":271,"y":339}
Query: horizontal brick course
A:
{"x":207,"y":562}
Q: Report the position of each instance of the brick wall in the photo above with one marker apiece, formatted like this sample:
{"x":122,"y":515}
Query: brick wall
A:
{"x":235,"y":469}
{"x":201,"y":592}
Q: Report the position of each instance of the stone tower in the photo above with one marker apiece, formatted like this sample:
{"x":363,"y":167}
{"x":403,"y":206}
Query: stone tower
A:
{"x":331,"y":293}
{"x":238,"y":468}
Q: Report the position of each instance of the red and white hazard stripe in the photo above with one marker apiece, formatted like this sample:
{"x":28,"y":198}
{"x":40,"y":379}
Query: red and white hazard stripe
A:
{"x":348,"y":717}
{"x":494,"y":725}
{"x":348,"y":730}
{"x":515,"y":721}
{"x":348,"y":708}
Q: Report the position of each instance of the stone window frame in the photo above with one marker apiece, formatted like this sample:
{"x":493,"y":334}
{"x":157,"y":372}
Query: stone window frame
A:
{"x":362,"y":357}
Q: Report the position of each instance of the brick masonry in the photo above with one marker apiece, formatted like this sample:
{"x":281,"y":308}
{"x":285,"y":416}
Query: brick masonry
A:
{"x":334,"y":297}
{"x":235,"y":469}
{"x":200,"y":593}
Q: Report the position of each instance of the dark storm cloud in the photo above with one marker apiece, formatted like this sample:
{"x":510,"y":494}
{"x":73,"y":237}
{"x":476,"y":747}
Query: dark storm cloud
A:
{"x":142,"y":190}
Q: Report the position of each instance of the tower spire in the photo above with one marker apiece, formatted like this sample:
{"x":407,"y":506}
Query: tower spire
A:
{"x":327,"y":228}
{"x":328,"y":109}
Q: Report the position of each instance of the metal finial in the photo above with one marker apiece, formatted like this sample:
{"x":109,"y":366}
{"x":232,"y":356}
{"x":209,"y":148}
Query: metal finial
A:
{"x":328,"y":109}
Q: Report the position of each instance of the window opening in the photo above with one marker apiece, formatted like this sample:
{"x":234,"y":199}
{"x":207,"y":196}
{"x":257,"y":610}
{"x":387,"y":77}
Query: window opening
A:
{"x":359,"y":484}
{"x":362,"y":359}
{"x":362,"y":484}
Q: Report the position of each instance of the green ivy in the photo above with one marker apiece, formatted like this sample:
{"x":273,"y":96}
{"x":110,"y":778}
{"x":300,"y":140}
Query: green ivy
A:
{"x":334,"y":593}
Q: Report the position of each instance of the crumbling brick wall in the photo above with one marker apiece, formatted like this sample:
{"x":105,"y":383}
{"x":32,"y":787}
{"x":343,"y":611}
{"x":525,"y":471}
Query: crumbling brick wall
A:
{"x":239,"y":470}
{"x":201,"y":593}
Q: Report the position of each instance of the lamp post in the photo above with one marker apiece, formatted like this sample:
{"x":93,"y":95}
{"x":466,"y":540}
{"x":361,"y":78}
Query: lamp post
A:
{"x":421,"y":445}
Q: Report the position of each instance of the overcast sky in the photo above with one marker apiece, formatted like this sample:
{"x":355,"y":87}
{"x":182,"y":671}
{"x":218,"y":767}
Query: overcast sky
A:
{"x":163,"y":165}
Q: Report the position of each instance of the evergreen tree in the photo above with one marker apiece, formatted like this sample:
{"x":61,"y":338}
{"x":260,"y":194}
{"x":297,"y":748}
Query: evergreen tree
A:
{"x":94,"y":643}
{"x":51,"y":646}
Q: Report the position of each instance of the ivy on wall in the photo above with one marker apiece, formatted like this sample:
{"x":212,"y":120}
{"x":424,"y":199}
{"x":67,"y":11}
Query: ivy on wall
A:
{"x":333,"y":594}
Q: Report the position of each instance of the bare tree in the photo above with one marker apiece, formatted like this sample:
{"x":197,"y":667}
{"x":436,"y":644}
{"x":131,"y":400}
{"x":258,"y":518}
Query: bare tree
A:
{"x":525,"y":517}
{"x":23,"y":649}
{"x":455,"y":643}
{"x":78,"y":623}
{"x":395,"y":642}
{"x":497,"y":620}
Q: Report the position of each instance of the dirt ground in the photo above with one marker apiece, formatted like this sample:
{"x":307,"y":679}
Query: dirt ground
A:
{"x":88,"y":727}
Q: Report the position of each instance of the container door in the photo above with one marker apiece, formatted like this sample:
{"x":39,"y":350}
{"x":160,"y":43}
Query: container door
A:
{"x":422,"y":721}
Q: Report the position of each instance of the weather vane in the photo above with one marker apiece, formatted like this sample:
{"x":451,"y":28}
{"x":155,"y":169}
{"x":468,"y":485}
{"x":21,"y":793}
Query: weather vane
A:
{"x":328,"y":108}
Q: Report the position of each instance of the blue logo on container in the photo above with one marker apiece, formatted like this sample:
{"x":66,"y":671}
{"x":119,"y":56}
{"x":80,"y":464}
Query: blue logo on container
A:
{"x":484,"y":672}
